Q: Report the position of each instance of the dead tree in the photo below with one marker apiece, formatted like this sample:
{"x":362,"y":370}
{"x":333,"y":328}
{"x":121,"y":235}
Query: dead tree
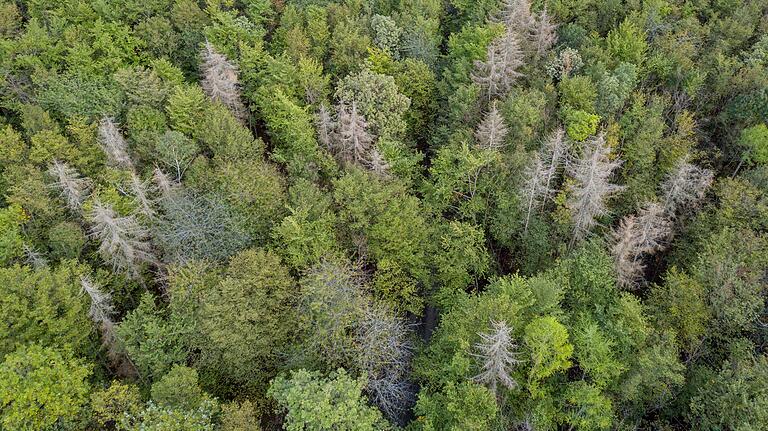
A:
{"x":139,"y":191}
{"x":113,"y":144}
{"x":353,"y":139}
{"x":516,"y":16}
{"x":220,"y":81}
{"x":498,"y":72}
{"x":542,"y":173}
{"x":491,"y":131}
{"x":377,"y":163}
{"x":543,"y":34}
{"x":592,"y":186}
{"x":71,"y":186}
{"x":123,"y":242}
{"x":497,"y":354}
{"x":325,"y":127}
{"x":636,"y":238}
{"x":685,"y":187}
{"x":34,"y":258}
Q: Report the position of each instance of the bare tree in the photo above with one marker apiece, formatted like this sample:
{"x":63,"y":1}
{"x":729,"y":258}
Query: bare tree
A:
{"x":377,"y":163}
{"x":516,"y":16}
{"x":637,"y":237}
{"x":34,"y":258}
{"x":354,"y":141}
{"x":101,"y":310}
{"x":592,"y":187}
{"x":542,"y":173}
{"x":685,"y":187}
{"x":113,"y":144}
{"x":498,"y":72}
{"x":325,"y":127}
{"x":491,"y":131}
{"x":384,"y":353}
{"x":163,"y":182}
{"x":123,"y":241}
{"x":71,"y":186}
{"x":139,"y":189}
{"x":220,"y":81}
{"x":543,"y":34}
{"x":498,"y":357}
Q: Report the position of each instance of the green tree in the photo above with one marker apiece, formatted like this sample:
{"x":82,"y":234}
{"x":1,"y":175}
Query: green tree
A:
{"x":462,"y":406}
{"x":547,"y":341}
{"x":314,"y":402}
{"x":43,"y":389}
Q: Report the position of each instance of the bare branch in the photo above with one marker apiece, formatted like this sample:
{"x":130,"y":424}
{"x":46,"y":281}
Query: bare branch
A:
{"x":326,"y":127}
{"x":498,"y":357}
{"x":123,"y":242}
{"x":498,"y":72}
{"x":113,"y":144}
{"x":543,"y":33}
{"x":73,"y":188}
{"x":685,"y":187}
{"x":353,"y":139}
{"x":492,"y":131}
{"x":220,"y":81}
{"x":542,"y":173}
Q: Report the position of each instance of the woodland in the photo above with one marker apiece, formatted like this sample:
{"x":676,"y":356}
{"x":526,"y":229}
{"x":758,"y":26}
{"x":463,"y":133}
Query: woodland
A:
{"x":418,"y":215}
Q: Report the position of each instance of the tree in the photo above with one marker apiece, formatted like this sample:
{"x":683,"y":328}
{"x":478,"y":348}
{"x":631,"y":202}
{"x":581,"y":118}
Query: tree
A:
{"x":497,"y":354}
{"x":326,"y":127}
{"x":461,"y":406}
{"x":496,"y":74}
{"x":542,"y":173}
{"x":313,"y":402}
{"x":123,"y":242}
{"x":113,"y":144}
{"x":353,"y":140}
{"x":591,"y":173}
{"x":547,"y":341}
{"x":378,"y":100}
{"x":637,"y":237}
{"x":72,"y":187}
{"x":43,"y":389}
{"x":542,"y":33}
{"x":101,"y":311}
{"x":684,"y":187}
{"x":492,"y":131}
{"x":220,"y":81}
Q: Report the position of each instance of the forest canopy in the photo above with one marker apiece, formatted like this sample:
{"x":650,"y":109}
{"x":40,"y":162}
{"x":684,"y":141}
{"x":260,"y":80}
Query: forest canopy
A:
{"x":359,"y":215}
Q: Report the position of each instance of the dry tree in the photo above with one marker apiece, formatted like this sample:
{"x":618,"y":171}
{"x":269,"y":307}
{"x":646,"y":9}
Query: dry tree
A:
{"x":685,"y":187}
{"x":220,"y":81}
{"x":496,"y":74}
{"x":325,"y":127}
{"x":542,"y":173}
{"x":516,"y":16}
{"x":34,"y":258}
{"x":353,"y":139}
{"x":542,"y":34}
{"x":592,"y":186}
{"x":491,"y":131}
{"x":113,"y":144}
{"x":637,"y":237}
{"x":139,"y":191}
{"x":497,"y":354}
{"x":377,"y":163}
{"x":71,"y":186}
{"x":163,"y":182}
{"x":101,"y":310}
{"x":384,"y":354}
{"x":123,"y":242}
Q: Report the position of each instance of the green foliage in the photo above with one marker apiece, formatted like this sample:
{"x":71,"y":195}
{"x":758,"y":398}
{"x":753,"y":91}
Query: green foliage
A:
{"x":11,"y":242}
{"x":45,"y":306}
{"x":579,"y":125}
{"x":377,"y":99}
{"x":547,"y":340}
{"x":626,"y":43}
{"x":587,"y":408}
{"x":42,"y":389}
{"x":463,"y":406}
{"x":110,"y":405}
{"x":178,"y":389}
{"x":313,"y":402}
{"x":755,"y":142}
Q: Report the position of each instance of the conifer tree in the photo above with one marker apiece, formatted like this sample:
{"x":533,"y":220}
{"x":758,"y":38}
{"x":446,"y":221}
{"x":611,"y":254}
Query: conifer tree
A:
{"x":220,"y":81}
{"x":516,"y":16}
{"x":542,"y":173}
{"x":377,"y":163}
{"x":353,"y":140}
{"x":637,"y":237}
{"x":496,"y":74}
{"x":543,"y":34}
{"x":491,"y":131}
{"x":113,"y":144}
{"x":685,"y":187}
{"x":123,"y":242}
{"x":139,"y":189}
{"x":498,"y":357}
{"x":34,"y":258}
{"x":325,"y":127}
{"x":72,"y":187}
{"x":592,"y":186}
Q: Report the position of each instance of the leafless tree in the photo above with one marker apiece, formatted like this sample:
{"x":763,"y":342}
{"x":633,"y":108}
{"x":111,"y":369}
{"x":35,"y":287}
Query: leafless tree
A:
{"x":34,"y":258}
{"x":123,"y":241}
{"x":491,"y":131}
{"x":637,"y":237}
{"x":139,"y":191}
{"x":384,"y":353}
{"x":71,"y":186}
{"x":499,"y":71}
{"x":685,"y":187}
{"x":101,"y":310}
{"x":592,"y":186}
{"x":113,"y":144}
{"x":542,"y":173}
{"x":163,"y":182}
{"x":498,"y":357}
{"x":516,"y":16}
{"x":377,"y":163}
{"x":325,"y":127}
{"x":354,"y":140}
{"x":220,"y":81}
{"x":543,"y":33}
